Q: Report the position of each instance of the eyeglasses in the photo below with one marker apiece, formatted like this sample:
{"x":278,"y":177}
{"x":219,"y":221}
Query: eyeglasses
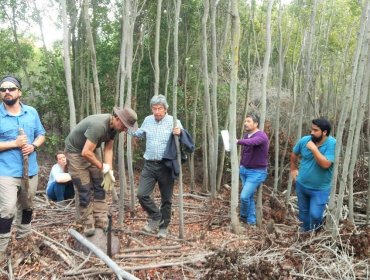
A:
{"x":10,"y":89}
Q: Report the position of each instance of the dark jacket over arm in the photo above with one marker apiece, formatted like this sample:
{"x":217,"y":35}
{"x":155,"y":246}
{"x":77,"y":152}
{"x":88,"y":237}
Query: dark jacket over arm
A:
{"x":170,"y":154}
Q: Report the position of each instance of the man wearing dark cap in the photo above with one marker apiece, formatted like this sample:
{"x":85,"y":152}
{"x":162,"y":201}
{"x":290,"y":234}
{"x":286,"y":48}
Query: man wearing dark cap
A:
{"x":21,"y":133}
{"x":86,"y":167}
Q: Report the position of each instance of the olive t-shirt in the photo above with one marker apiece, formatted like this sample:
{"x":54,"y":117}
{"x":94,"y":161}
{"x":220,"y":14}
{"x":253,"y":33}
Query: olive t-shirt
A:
{"x":94,"y":128}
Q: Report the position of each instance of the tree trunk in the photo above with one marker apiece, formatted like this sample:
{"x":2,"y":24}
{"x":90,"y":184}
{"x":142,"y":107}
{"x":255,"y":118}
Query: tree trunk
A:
{"x":214,"y":83}
{"x":194,"y":134}
{"x":156,"y":48}
{"x":169,"y":24}
{"x":208,"y":109}
{"x":235,"y":38}
{"x":280,"y":83}
{"x":67,"y":67}
{"x":175,"y":78}
{"x":266,"y":63}
{"x":121,"y":141}
{"x":90,"y":40}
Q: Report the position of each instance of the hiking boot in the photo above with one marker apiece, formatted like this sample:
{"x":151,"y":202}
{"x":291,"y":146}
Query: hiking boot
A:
{"x":162,"y":233}
{"x":89,"y":230}
{"x":152,"y":226}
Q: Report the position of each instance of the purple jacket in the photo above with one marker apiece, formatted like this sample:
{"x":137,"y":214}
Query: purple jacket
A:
{"x":255,"y":150}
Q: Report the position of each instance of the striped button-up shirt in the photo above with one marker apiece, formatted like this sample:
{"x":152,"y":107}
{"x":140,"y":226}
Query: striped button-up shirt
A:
{"x":157,"y":134}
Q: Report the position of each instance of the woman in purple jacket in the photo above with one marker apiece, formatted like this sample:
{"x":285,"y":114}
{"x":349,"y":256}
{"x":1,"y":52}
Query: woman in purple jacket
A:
{"x":253,"y":166}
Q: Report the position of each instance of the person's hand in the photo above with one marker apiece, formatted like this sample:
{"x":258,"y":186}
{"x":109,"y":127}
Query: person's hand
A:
{"x":176,"y":131}
{"x":294,"y":174}
{"x":21,"y":140}
{"x":106,"y":168}
{"x":110,"y":172}
{"x":311,"y":145}
{"x":108,"y":181}
{"x":27,"y":149}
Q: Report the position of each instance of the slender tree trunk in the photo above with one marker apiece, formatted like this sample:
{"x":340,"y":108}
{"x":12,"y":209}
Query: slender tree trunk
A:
{"x":235,"y":38}
{"x":194,"y":134}
{"x":214,"y":83}
{"x":280,"y":83}
{"x":121,"y":141}
{"x":175,"y":78}
{"x":169,"y":24}
{"x":266,"y":63}
{"x":208,"y":112}
{"x":205,"y":155}
{"x":67,"y":67}
{"x":131,"y":6}
{"x":156,"y":48}
{"x":90,"y":40}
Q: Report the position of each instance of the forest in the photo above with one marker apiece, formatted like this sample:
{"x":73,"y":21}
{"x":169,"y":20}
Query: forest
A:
{"x":215,"y":61}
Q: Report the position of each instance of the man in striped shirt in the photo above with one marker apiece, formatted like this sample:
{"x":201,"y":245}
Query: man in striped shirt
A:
{"x":157,"y":129}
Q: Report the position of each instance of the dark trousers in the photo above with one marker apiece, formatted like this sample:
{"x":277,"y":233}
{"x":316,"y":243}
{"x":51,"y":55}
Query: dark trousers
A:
{"x":152,"y":173}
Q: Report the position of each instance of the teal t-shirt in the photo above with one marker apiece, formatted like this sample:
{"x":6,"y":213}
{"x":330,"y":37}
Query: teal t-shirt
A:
{"x":311,"y":175}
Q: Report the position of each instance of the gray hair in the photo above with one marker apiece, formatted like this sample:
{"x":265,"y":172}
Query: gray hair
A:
{"x":159,"y":100}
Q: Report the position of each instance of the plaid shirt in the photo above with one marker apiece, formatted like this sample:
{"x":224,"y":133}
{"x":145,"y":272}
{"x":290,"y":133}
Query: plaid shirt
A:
{"x":157,"y":134}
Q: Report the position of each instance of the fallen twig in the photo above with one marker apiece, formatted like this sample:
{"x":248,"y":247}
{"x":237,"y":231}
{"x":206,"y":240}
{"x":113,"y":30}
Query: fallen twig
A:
{"x":99,"y":253}
{"x":162,"y":248}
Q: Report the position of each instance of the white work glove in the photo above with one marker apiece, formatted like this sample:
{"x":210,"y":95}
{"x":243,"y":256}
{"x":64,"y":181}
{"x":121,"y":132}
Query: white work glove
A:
{"x":108,"y":181}
{"x":106,"y":168}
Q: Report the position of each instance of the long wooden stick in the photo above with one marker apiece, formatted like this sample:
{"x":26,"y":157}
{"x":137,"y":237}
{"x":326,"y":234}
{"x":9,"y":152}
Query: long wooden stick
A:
{"x":99,"y":253}
{"x":25,"y":167}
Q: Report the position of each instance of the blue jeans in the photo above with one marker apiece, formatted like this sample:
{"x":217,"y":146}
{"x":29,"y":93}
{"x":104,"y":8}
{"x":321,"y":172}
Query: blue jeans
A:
{"x":251,"y":180}
{"x":311,"y":206}
{"x":59,"y":192}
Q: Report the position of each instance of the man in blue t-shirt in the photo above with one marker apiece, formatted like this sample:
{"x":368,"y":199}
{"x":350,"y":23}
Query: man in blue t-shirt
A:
{"x":313,"y":180}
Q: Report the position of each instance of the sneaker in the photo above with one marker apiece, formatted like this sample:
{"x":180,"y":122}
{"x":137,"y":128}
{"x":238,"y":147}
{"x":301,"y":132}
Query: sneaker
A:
{"x":162,"y":233}
{"x":152,"y":226}
{"x":89,"y":230}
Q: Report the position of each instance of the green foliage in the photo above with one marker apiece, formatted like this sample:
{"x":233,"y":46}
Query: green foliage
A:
{"x":9,"y":57}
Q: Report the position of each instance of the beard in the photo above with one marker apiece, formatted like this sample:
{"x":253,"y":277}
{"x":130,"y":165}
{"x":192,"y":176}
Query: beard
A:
{"x":316,"y":139}
{"x":10,"y":102}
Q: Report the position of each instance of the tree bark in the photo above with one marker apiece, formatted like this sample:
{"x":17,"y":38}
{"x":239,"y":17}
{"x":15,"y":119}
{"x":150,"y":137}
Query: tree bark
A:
{"x":90,"y":40}
{"x":67,"y":67}
{"x":235,"y":38}
{"x":266,"y":63}
{"x":156,"y":48}
{"x":175,"y":78}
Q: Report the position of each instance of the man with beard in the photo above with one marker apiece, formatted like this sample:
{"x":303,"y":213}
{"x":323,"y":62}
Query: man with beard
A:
{"x":21,"y":133}
{"x":313,"y":179}
{"x":253,"y":166}
{"x":88,"y":170}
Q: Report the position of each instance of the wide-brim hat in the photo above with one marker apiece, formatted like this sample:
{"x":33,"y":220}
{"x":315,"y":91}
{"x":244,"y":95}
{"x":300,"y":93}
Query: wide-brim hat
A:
{"x":127,"y":116}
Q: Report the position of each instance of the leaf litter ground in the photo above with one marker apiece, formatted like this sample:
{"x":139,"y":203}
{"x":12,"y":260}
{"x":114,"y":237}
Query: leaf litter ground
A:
{"x":208,"y":250}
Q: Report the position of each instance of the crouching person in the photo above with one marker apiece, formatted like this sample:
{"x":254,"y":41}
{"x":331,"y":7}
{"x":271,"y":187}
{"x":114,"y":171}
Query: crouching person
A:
{"x":60,"y":186}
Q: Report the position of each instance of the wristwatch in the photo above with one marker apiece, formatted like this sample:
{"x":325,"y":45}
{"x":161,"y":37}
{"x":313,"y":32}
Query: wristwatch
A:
{"x":34,"y":147}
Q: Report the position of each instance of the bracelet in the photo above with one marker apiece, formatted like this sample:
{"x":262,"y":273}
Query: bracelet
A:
{"x":35,"y":148}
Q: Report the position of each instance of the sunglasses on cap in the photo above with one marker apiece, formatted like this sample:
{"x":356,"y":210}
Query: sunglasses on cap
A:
{"x":10,"y":89}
